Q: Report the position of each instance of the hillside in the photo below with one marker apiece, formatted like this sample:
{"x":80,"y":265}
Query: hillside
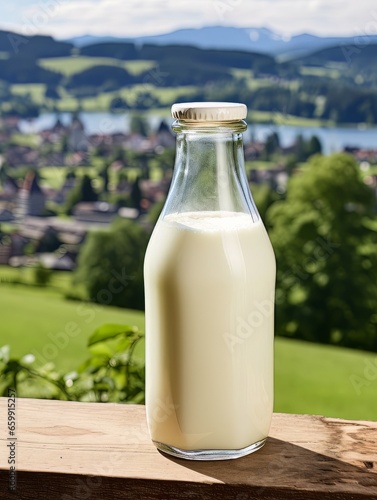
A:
{"x":354,"y":62}
{"x":334,"y":85}
{"x":309,"y":378}
{"x":255,"y":39}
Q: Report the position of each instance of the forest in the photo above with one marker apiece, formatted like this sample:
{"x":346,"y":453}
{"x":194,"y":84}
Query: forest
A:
{"x":336,"y":85}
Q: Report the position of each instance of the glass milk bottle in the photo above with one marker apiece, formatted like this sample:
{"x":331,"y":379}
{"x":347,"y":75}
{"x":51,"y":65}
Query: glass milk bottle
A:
{"x":209,"y":289}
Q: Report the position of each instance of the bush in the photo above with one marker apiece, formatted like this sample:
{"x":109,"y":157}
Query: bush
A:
{"x":113,"y":372}
{"x":110,"y":265}
{"x":42,"y":275}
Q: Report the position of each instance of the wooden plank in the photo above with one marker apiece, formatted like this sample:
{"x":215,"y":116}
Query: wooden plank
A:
{"x":98,"y":451}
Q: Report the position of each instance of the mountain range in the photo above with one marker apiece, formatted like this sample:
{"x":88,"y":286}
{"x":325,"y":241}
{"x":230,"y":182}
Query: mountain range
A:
{"x":262,"y":40}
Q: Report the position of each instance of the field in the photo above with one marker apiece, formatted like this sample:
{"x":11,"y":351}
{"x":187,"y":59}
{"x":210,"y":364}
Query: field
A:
{"x":36,"y":320}
{"x":166,"y":95}
{"x":68,"y":66}
{"x":333,"y":73}
{"x":309,"y":378}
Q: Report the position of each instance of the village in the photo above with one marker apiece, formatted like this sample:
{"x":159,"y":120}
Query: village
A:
{"x":132,"y":175}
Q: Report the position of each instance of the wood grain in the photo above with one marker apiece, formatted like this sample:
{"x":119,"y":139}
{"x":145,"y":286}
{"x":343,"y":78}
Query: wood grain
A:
{"x":83,"y":451}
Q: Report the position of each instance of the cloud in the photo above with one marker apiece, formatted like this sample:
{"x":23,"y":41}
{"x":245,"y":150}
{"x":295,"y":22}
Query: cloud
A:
{"x":65,"y":18}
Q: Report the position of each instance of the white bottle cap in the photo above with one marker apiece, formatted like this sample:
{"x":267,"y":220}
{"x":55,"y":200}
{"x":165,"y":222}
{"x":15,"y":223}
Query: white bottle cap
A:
{"x":209,"y":111}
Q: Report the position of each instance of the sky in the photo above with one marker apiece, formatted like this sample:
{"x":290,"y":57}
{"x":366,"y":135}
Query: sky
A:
{"x":129,"y":18}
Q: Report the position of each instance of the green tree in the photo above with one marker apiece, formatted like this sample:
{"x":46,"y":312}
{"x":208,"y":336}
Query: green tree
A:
{"x":110,"y":265}
{"x":104,"y":174}
{"x":314,"y":146}
{"x":136,"y":194}
{"x":83,"y":191}
{"x":118,"y":103}
{"x":146,"y":101}
{"x":325,"y":239}
{"x":264,"y":197}
{"x":272,"y":145}
{"x":42,"y":275}
{"x":139,"y":125}
{"x":49,"y":242}
{"x":155,"y":212}
{"x":300,"y":148}
{"x":51,"y":92}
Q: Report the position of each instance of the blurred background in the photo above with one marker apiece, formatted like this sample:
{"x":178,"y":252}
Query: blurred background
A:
{"x":86,"y":157}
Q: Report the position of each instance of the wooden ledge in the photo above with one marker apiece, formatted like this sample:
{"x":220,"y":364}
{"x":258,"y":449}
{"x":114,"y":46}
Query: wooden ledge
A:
{"x":96,"y":451}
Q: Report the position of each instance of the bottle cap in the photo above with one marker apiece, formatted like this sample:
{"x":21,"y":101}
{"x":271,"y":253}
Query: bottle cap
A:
{"x":209,"y":111}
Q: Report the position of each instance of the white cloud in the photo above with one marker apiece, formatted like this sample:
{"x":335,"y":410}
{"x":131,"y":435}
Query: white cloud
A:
{"x":65,"y":18}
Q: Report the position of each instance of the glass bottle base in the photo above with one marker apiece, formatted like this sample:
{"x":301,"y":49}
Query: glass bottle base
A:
{"x":209,"y":454}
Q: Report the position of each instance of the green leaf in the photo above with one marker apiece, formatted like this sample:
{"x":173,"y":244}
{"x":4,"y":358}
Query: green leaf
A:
{"x":101,"y":349}
{"x":4,"y":353}
{"x":107,"y":332}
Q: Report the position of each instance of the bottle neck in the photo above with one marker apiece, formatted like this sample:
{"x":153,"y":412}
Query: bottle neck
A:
{"x":209,"y":171}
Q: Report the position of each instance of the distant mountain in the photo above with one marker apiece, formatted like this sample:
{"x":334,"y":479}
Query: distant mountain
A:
{"x":361,"y":57}
{"x":85,"y":40}
{"x":262,"y":40}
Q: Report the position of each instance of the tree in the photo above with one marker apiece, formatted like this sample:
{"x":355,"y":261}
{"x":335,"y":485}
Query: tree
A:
{"x":118,"y":104}
{"x":139,"y":125}
{"x":325,"y":240}
{"x":42,"y":275}
{"x":110,"y":265}
{"x":82,"y":192}
{"x":314,"y":146}
{"x":64,"y":146}
{"x":136,"y":194}
{"x":49,"y":242}
{"x":272,"y":145}
{"x":146,"y":100}
{"x":70,"y":175}
{"x":51,"y":92}
{"x":300,"y":148}
{"x":104,"y":174}
{"x":264,"y":197}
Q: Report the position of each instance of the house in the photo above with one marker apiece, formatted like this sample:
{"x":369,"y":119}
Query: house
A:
{"x":77,"y":139}
{"x":6,"y":215}
{"x":31,"y":198}
{"x":164,"y":136}
{"x":98,"y":212}
{"x":5,"y":252}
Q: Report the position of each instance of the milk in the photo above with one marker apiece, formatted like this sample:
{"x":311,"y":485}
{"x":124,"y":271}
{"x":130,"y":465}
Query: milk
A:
{"x":209,"y":285}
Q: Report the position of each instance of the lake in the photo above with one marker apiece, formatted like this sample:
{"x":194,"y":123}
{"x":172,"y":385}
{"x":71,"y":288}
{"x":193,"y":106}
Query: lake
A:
{"x":332,"y":139}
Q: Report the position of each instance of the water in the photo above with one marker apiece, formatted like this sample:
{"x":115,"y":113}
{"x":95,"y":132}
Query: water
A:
{"x":332,"y":139}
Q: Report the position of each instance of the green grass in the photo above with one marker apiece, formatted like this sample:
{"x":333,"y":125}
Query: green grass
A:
{"x":320,"y":72}
{"x":54,"y":176}
{"x":68,"y":66}
{"x":260,"y":165}
{"x":101,"y":101}
{"x":60,"y":282}
{"x":285,"y":119}
{"x":39,"y":321}
{"x":137,"y":67}
{"x":29,"y":140}
{"x":316,"y":379}
{"x":166,"y":95}
{"x":309,"y":378}
{"x":36,"y":91}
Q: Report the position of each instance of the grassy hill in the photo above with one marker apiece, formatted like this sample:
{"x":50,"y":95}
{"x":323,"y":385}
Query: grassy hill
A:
{"x":309,"y":378}
{"x":34,"y":317}
{"x":68,"y":66}
{"x":334,"y":85}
